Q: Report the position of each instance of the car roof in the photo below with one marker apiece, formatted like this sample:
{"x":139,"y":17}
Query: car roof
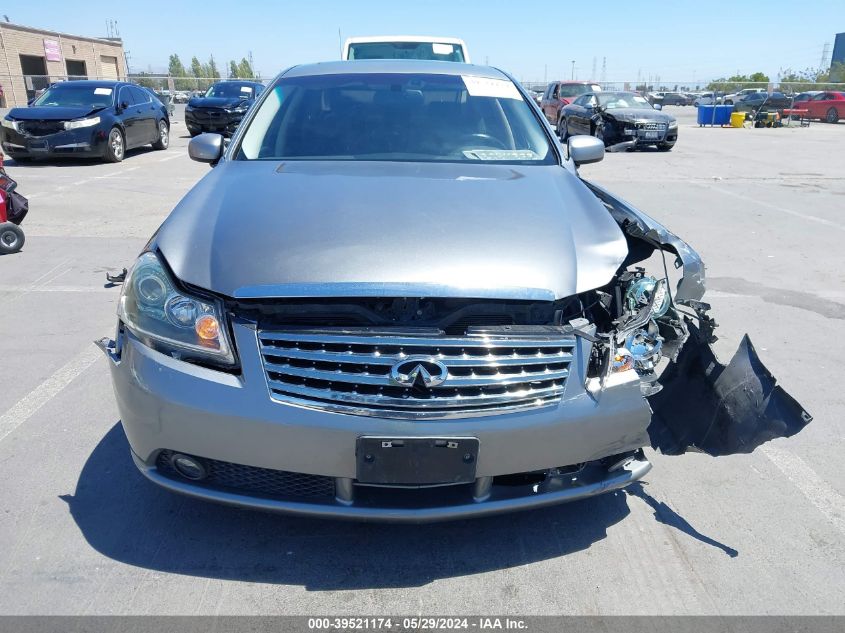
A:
{"x":398,"y":66}
{"x":251,"y":82}
{"x":91,"y":83}
{"x":370,"y":39}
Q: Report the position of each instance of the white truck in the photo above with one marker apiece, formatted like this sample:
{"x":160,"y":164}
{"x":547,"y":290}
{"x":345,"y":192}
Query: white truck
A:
{"x":447,"y":49}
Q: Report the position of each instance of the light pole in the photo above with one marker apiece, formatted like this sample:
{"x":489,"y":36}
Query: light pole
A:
{"x":573,"y":69}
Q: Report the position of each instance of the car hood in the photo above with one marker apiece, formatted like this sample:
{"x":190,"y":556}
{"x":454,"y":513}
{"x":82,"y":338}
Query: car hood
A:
{"x":50,"y":113}
{"x":215,"y":102}
{"x":636,"y":114}
{"x":270,"y":229}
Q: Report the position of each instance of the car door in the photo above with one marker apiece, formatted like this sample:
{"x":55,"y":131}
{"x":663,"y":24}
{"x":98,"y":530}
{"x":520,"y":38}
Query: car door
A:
{"x":815,"y":106}
{"x":147,"y":111}
{"x":551,"y":105}
{"x":582,"y":110}
{"x":129,"y":116}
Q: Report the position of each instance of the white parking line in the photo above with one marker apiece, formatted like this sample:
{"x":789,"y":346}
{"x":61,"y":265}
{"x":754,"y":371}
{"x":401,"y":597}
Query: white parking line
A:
{"x":826,"y":500}
{"x":161,"y":160}
{"x":27,"y":406}
{"x":769,"y":205}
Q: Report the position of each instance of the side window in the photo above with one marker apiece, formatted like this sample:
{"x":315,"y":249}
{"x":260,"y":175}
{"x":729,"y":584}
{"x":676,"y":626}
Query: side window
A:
{"x":819,"y":97}
{"x":258,"y":91}
{"x":548,"y":94}
{"x":555,"y":91}
{"x":592,"y":100}
{"x":125,"y":96}
{"x":140,"y":96}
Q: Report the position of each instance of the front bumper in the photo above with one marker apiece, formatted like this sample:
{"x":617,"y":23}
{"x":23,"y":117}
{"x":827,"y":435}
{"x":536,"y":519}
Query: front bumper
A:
{"x":212,"y":120}
{"x":82,"y":142}
{"x":170,"y":405}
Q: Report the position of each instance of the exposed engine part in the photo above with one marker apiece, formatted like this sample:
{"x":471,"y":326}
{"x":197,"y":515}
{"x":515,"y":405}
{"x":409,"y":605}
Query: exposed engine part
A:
{"x":645,"y":347}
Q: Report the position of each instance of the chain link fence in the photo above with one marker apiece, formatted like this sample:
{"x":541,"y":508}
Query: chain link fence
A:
{"x":19,"y":90}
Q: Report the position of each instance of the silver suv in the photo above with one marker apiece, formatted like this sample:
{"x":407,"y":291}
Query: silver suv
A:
{"x":356,"y":314}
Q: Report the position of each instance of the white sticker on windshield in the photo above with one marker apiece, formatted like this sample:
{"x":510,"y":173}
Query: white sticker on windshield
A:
{"x":102,"y":91}
{"x":442,"y":49}
{"x":246,"y":89}
{"x":485,"y":87}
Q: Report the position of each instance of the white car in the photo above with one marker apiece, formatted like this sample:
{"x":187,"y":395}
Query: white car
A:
{"x":706,"y":98}
{"x":736,"y":96}
{"x":448,"y":49}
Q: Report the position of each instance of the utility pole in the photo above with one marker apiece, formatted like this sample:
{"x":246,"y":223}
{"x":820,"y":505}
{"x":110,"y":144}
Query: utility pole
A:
{"x":603,"y":72}
{"x":545,"y":73}
{"x":573,"y":69}
{"x":593,"y":75}
{"x":339,"y":43}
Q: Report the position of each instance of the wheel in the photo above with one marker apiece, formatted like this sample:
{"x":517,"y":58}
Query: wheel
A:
{"x":665,"y":147}
{"x":163,"y":136}
{"x":832,"y":116}
{"x":696,"y":103}
{"x":562,"y":132}
{"x":599,"y":132}
{"x":115,"y":146}
{"x":11,"y":238}
{"x":729,"y":102}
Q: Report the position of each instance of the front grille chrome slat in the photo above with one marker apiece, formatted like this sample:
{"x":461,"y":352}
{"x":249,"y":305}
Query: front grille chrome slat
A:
{"x":490,"y":360}
{"x":455,"y":402}
{"x":350,"y":372}
{"x":384,"y":379}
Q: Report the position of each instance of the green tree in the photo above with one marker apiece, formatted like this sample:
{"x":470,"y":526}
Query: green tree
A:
{"x":759,"y":78}
{"x":198,"y":71}
{"x":180,"y":76}
{"x":213,"y":71}
{"x":245,"y":69}
{"x":233,"y":69}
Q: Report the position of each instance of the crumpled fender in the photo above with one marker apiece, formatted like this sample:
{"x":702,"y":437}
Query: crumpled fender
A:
{"x":639,"y":226}
{"x":708,"y":407}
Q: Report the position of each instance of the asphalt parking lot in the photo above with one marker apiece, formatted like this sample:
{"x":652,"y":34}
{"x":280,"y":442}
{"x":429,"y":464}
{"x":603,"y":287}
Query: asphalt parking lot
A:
{"x":83,"y":533}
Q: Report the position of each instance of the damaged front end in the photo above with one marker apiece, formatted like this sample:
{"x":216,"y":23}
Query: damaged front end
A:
{"x":697,"y":403}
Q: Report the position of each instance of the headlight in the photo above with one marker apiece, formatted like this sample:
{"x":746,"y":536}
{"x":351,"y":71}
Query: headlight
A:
{"x":162,"y":316}
{"x":645,"y":289}
{"x":75,"y":125}
{"x":238,"y":110}
{"x":12,"y":125}
{"x":673,"y":124}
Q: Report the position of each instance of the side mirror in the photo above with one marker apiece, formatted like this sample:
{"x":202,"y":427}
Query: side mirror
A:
{"x":206,"y":148}
{"x":585,"y":149}
{"x":657,"y":106}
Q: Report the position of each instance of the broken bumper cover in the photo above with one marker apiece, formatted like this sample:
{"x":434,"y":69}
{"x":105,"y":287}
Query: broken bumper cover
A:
{"x":718,"y":409}
{"x":169,"y":405}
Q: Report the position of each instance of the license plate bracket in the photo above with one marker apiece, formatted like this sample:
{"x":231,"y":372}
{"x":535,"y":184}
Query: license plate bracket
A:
{"x":38,"y":146}
{"x":417,"y":461}
{"x":652,"y":135}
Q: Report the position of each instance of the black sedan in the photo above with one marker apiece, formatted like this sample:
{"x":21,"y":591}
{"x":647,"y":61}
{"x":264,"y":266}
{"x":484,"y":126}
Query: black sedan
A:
{"x":619,"y":117}
{"x":86,"y":118}
{"x":763,"y":102}
{"x":222,"y":107}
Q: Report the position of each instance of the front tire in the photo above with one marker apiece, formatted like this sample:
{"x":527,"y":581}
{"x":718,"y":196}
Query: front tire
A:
{"x":665,"y":147}
{"x":562,"y":131}
{"x":163,"y":136}
{"x":115,"y":146}
{"x":832,"y":116}
{"x":11,"y":238}
{"x":599,"y":132}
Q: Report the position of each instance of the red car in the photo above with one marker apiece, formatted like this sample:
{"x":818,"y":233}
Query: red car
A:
{"x":561,"y":93}
{"x":828,"y":106}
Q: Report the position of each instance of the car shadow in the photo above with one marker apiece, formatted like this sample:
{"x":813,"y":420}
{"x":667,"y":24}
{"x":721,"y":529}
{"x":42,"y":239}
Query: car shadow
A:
{"x":71,"y":161}
{"x":667,"y":516}
{"x":128,"y":519}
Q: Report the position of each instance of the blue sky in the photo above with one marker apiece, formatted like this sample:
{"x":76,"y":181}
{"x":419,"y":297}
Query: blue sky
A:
{"x":677,"y":41}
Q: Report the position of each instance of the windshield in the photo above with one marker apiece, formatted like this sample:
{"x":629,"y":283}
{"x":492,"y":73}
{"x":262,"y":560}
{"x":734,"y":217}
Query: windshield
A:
{"x":231,"y":89}
{"x":612,"y":100}
{"x":406,"y":50}
{"x":69,"y":96}
{"x":401,"y":117}
{"x":575,"y":90}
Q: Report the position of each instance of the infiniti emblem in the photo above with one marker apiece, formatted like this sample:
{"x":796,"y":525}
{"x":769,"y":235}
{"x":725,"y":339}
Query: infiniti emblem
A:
{"x":419,"y":370}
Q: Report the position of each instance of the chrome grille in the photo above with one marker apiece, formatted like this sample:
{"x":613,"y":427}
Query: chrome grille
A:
{"x":350,"y":372}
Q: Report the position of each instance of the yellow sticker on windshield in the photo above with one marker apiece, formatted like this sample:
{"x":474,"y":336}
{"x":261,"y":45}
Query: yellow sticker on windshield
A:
{"x":486,"y":87}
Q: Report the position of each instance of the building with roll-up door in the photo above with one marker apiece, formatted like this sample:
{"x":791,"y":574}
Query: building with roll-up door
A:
{"x":31,"y":59}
